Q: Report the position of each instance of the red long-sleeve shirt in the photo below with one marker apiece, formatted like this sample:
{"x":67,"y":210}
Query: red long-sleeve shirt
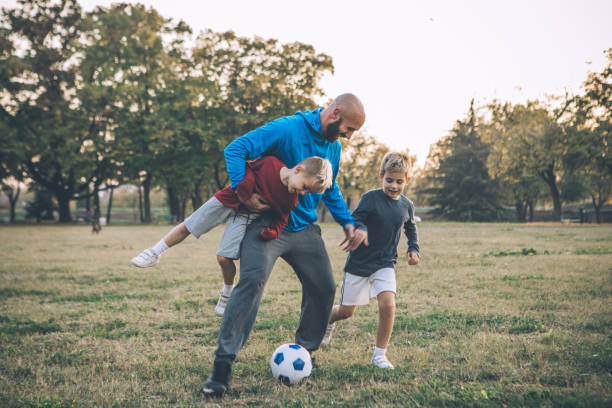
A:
{"x":262,"y":176}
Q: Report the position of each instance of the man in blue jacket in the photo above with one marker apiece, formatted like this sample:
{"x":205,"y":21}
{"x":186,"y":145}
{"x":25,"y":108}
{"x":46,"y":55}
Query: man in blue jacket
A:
{"x":291,"y":139}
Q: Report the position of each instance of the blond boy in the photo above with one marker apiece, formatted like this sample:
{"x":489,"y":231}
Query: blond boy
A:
{"x":369,"y":270}
{"x":271,"y":180}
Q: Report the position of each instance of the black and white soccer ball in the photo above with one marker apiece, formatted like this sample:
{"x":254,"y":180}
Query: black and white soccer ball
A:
{"x":291,"y":363}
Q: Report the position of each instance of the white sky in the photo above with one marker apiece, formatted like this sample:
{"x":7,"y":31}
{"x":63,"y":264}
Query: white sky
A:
{"x":417,"y":65}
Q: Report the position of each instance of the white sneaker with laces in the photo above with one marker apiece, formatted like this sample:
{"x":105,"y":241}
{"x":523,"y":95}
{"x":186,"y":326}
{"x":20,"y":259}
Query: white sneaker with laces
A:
{"x":145,"y":259}
{"x":381,"y":361}
{"x":328,"y":334}
{"x":221,"y":303}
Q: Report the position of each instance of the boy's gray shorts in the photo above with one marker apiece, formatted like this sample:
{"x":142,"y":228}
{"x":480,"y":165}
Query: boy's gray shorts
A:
{"x":213,"y":213}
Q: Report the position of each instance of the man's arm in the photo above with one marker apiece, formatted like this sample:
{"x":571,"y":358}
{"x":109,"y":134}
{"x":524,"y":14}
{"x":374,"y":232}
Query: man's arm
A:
{"x":360,"y":234}
{"x":251,"y":146}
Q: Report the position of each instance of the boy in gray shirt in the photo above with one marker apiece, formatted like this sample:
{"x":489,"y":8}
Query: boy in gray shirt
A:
{"x":369,"y":270}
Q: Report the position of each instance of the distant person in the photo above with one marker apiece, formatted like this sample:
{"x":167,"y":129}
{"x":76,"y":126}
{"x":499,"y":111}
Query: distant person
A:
{"x":369,"y":270}
{"x":291,"y":139}
{"x":267,"y":178}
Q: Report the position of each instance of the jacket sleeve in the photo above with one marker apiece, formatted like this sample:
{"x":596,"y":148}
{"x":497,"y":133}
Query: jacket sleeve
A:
{"x":275,"y":228}
{"x":252,"y":145}
{"x":245,"y":189}
{"x":282,"y":212}
{"x":411,"y":231}
{"x":332,"y":197}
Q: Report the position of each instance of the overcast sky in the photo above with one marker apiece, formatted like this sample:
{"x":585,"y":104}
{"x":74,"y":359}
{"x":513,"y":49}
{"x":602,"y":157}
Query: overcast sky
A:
{"x":417,"y":65}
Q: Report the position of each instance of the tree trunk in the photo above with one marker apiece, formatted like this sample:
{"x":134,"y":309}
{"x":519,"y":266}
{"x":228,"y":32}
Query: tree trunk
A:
{"x":146,"y":193}
{"x":181,"y":215}
{"x":109,"y":206}
{"x":95,"y":219}
{"x":531,"y":205}
{"x":597,"y":208}
{"x":196,"y":197}
{"x":63,"y":204}
{"x":13,"y":197}
{"x":173,"y":203}
{"x":140,"y":203}
{"x":549,"y":177}
{"x":220,"y":182}
{"x":521,"y":210}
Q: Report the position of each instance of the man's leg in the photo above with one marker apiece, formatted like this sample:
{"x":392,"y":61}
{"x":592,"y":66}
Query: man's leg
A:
{"x":257,"y":259}
{"x":308,"y":258}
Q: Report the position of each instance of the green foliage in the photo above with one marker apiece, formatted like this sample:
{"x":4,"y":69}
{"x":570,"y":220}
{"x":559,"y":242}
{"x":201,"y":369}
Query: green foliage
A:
{"x":592,"y":124}
{"x":461,"y":188}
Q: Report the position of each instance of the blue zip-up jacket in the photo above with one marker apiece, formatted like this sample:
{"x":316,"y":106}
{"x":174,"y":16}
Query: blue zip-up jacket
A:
{"x":292,"y":139}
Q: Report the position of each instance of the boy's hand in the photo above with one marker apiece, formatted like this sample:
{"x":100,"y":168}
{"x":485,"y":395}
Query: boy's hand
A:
{"x":255,"y":203}
{"x":413,"y":258}
{"x":353,"y":238}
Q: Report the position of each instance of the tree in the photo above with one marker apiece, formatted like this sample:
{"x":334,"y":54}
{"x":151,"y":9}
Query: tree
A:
{"x":38,"y":60}
{"x":593,"y":125}
{"x":360,"y":169}
{"x":516,"y":181}
{"x":531,"y":140}
{"x":130,"y":68}
{"x":255,"y":80}
{"x":461,"y":188}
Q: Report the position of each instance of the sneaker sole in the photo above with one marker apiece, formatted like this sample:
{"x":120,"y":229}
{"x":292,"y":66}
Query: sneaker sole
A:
{"x":209,"y":392}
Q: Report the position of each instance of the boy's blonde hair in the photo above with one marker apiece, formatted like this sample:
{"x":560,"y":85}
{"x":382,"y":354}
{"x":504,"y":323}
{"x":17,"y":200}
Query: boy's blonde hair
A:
{"x":320,"y":170}
{"x":395,"y":162}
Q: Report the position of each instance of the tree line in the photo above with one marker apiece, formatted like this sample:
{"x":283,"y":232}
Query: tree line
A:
{"x":555,"y":151}
{"x":122,"y":95}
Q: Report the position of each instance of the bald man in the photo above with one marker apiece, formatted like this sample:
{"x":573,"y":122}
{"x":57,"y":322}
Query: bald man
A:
{"x":291,"y":139}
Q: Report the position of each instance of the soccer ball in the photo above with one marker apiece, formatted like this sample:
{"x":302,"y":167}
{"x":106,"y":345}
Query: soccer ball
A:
{"x":290,"y":363}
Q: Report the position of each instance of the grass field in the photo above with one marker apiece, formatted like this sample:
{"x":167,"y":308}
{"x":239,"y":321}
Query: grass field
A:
{"x":495,"y":315}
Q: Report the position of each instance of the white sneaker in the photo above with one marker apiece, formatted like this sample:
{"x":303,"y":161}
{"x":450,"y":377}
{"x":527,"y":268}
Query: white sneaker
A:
{"x":328,"y":334}
{"x":146,"y":259}
{"x":382,"y":362}
{"x":221,"y":303}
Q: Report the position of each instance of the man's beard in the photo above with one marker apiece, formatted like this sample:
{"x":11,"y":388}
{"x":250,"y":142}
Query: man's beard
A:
{"x":332,"y":131}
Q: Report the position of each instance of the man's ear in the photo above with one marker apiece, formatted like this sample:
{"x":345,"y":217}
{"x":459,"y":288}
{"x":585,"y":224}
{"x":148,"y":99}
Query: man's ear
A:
{"x":298,"y":169}
{"x":336,"y":113}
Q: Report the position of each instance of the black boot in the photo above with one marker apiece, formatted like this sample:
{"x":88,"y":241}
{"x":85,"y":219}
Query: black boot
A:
{"x":218,"y":380}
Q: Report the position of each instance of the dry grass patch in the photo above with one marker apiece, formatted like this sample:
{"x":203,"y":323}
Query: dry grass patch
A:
{"x":496,"y":314}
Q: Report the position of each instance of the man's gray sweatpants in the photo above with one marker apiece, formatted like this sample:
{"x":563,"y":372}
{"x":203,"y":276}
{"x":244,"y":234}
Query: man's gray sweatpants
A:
{"x":305,"y":252}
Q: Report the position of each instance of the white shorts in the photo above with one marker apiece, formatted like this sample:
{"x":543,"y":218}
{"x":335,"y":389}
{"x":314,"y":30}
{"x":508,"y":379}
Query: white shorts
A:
{"x":357,"y":290}
{"x":213,"y":213}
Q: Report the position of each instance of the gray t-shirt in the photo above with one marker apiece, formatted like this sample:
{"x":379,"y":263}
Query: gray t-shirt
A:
{"x":382,"y":217}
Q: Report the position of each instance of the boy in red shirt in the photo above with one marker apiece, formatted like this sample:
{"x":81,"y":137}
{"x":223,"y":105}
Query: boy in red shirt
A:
{"x":278,"y":185}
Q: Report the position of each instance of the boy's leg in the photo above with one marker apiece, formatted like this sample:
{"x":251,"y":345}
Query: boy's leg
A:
{"x":383,"y":287}
{"x":341,"y":312}
{"x":228,"y":270}
{"x":208,"y":216}
{"x":176,"y":235}
{"x":386,"y":317}
{"x":355,"y":292}
{"x":229,"y":249}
